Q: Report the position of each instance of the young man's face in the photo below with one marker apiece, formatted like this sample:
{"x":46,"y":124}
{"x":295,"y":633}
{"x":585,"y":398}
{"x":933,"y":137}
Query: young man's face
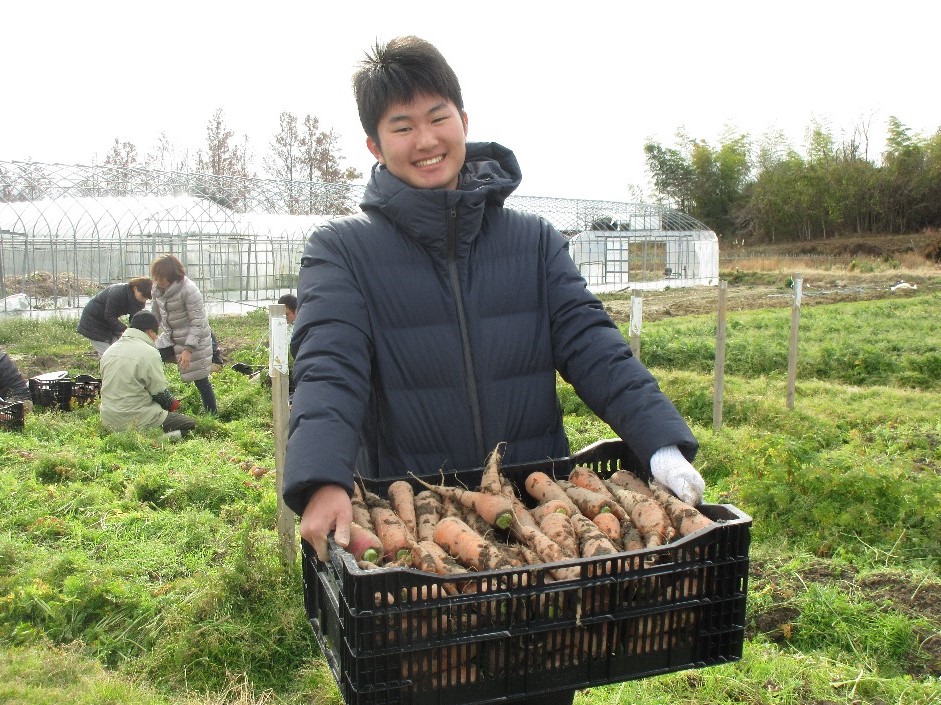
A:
{"x":422,"y":142}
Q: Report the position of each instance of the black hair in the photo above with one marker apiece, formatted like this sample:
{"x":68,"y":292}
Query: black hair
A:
{"x":144,"y":285}
{"x":145,"y":320}
{"x":398,"y":72}
{"x":289,"y":301}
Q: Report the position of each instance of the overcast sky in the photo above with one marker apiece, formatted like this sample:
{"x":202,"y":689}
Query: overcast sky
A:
{"x":575,"y":91}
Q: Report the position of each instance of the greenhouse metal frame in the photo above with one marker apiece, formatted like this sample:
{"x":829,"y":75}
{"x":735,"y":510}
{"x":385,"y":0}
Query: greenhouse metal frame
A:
{"x":67,"y":231}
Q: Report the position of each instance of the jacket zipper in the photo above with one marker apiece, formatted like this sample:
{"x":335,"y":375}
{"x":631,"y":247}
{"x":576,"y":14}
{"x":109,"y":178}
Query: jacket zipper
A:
{"x":470,"y":379}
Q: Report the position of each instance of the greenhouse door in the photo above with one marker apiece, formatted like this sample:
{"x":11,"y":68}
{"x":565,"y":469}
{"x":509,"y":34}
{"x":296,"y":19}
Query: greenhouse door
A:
{"x":616,"y":262}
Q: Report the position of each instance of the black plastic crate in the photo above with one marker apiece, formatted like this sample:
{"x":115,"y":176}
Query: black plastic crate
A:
{"x":86,"y":389}
{"x":51,"y":392}
{"x":64,"y":393}
{"x":390,"y":639}
{"x":12,"y":415}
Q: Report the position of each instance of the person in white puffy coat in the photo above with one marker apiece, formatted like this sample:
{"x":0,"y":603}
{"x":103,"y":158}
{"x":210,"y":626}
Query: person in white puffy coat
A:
{"x":184,"y":327}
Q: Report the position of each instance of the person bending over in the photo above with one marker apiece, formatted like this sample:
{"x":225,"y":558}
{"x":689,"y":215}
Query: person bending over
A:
{"x":100,"y":321}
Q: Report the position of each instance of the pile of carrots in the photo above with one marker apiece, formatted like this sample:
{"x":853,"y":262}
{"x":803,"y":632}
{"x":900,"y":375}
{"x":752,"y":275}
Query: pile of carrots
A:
{"x":452,"y":531}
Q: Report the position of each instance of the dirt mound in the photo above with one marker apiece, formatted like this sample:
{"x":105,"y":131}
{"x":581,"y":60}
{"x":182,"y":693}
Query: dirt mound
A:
{"x":45,"y":285}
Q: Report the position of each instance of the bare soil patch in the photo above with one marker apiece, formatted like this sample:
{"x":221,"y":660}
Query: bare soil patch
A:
{"x":886,"y":591}
{"x":772,"y":290}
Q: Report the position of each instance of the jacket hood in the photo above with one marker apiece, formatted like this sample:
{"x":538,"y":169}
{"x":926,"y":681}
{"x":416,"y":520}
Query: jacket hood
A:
{"x":490,"y":174}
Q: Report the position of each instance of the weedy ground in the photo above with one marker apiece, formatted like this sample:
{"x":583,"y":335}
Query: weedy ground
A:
{"x":138,"y":572}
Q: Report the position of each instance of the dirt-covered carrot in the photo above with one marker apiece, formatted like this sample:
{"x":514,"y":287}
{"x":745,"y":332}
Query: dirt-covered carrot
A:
{"x":522,"y":517}
{"x":647,"y":514}
{"x":428,"y":511}
{"x":589,"y":479}
{"x":591,"y":503}
{"x":490,"y":481}
{"x":553,"y":505}
{"x":476,"y":522}
{"x":422,"y":560}
{"x":391,"y":530}
{"x":558,"y":527}
{"x":364,"y":545}
{"x":435,"y":559}
{"x":433,"y":591}
{"x":631,"y":540}
{"x":630,"y":481}
{"x":543,"y":488}
{"x":469,"y":548}
{"x":443,"y":563}
{"x":450,"y":508}
{"x":591,"y":541}
{"x":373,"y":500}
{"x":425,"y":625}
{"x":550,"y":552}
{"x":360,"y":510}
{"x":449,"y":659}
{"x":508,"y":489}
{"x":458,"y":675}
{"x":610,"y":526}
{"x":401,"y":498}
{"x":528,"y":555}
{"x":685,"y":517}
{"x":495,"y":509}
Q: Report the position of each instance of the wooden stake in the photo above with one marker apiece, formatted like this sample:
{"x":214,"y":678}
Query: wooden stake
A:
{"x":278,"y":371}
{"x":637,"y":309}
{"x":720,"y":359}
{"x":792,"y":350}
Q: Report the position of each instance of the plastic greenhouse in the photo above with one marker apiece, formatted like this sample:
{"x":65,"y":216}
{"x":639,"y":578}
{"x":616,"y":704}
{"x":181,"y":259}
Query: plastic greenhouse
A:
{"x":648,"y":251}
{"x":68,"y":231}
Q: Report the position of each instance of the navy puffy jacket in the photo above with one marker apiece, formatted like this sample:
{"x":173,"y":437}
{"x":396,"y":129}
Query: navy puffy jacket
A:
{"x":430,"y":328}
{"x":100,"y":318}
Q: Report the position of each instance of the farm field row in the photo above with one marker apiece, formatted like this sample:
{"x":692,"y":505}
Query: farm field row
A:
{"x":136,"y":572}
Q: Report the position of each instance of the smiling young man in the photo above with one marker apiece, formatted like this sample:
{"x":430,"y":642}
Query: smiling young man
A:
{"x":431,"y":326}
{"x":422,"y":142}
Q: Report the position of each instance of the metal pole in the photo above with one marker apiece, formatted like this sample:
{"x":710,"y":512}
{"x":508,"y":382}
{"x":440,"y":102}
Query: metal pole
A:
{"x":720,"y":360}
{"x":278,"y":371}
{"x":792,"y":351}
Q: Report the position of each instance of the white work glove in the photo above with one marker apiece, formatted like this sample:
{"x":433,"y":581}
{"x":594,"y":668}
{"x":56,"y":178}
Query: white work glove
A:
{"x":670,"y":468}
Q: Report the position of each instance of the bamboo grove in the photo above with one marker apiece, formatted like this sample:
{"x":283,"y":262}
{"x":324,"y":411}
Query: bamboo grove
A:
{"x":766,"y":191}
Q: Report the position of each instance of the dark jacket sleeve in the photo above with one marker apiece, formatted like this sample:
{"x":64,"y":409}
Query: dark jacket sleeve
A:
{"x":117,"y":304}
{"x":13,"y":386}
{"x":332,"y":352}
{"x":592,"y":354}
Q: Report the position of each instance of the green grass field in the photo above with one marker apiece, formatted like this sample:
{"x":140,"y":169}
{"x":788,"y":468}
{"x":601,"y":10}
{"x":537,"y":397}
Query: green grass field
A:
{"x":138,"y":572}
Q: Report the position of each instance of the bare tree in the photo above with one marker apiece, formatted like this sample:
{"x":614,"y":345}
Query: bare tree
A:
{"x":222,"y":157}
{"x":320,"y":161}
{"x":165,"y":156}
{"x":284,"y":159}
{"x":122,"y":154}
{"x":119,"y":178}
{"x":283,"y":163}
